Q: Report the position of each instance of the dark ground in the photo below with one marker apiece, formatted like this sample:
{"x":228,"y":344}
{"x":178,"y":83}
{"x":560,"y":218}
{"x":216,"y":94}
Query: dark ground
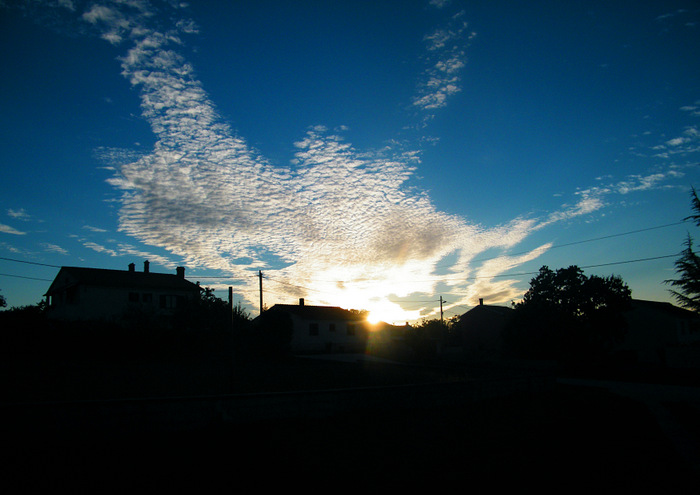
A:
{"x":569,"y":440}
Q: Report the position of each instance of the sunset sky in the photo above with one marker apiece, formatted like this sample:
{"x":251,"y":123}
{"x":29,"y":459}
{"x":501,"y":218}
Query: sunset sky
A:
{"x":374,"y":155}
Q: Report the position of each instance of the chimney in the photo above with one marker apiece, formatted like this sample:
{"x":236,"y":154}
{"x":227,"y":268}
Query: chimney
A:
{"x":145,"y":266}
{"x":132,"y":267}
{"x":481,"y":301}
{"x":301,"y":301}
{"x":180,"y":270}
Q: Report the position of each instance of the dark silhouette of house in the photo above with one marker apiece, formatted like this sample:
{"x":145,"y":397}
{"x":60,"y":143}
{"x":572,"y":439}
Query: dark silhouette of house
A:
{"x":662,"y":334}
{"x":96,"y":293}
{"x":480,"y":331}
{"x":324,"y":328}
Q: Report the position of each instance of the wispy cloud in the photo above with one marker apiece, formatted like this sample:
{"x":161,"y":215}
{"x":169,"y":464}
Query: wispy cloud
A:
{"x":93,"y":229}
{"x":20,"y":214}
{"x":53,"y":248}
{"x":446,"y":58}
{"x":6,"y":229}
{"x":439,"y":3}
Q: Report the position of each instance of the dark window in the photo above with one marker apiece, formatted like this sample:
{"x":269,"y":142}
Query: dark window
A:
{"x":147,"y":297}
{"x":133,"y":297}
{"x":331,"y":327}
{"x":171,"y":302}
{"x":313,"y":328}
{"x":351,"y":329}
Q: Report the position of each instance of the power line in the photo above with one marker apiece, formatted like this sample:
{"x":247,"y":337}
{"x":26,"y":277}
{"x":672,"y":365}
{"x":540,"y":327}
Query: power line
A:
{"x":610,"y":236}
{"x":586,"y":266}
{"x":29,"y":262}
{"x":27,"y":278}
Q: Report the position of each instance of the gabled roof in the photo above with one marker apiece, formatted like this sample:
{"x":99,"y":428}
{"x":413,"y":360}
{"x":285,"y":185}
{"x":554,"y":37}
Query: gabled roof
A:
{"x":70,"y":276}
{"x":319,"y":313}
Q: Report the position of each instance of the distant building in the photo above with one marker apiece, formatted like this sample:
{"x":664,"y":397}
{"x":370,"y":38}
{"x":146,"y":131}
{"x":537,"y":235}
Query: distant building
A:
{"x":324,"y":328}
{"x":96,"y":293}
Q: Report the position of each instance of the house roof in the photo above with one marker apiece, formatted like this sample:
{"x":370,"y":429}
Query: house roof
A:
{"x":70,"y":276}
{"x":318,"y":312}
{"x":486,"y":308}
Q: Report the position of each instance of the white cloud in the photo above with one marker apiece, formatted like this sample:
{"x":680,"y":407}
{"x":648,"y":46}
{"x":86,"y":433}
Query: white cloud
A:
{"x":20,"y":214}
{"x":446,"y":47}
{"x":53,"y":248}
{"x":93,"y":229}
{"x":6,"y":229}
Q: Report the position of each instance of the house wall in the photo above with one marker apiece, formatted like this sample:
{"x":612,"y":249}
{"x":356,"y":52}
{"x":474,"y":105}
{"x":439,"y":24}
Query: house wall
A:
{"x":87,"y":302}
{"x":327,"y":336}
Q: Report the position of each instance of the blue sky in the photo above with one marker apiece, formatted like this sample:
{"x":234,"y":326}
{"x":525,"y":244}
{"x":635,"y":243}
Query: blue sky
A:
{"x":371,"y":155}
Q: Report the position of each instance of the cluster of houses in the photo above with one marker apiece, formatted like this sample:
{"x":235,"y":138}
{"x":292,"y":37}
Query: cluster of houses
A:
{"x":663,"y":333}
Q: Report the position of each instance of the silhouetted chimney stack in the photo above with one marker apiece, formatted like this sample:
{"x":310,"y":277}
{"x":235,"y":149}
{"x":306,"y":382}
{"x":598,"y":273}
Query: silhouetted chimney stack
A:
{"x":180,"y":270}
{"x":301,"y":301}
{"x":132,"y":267}
{"x":481,"y":301}
{"x":146,"y":266}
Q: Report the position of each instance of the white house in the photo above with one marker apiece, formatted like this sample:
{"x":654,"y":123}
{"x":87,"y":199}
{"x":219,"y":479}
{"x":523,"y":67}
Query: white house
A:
{"x":95,"y":293}
{"x":325,"y":328}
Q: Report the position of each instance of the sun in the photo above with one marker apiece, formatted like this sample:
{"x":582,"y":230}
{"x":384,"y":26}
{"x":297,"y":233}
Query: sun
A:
{"x":374,"y":317}
{"x":388,"y":312}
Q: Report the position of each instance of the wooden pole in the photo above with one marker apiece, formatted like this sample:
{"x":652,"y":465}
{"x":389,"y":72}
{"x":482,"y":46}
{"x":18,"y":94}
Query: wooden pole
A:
{"x":261,"y":291}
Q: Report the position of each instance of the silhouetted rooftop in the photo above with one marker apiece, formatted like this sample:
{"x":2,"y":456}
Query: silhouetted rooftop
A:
{"x":101,"y":277}
{"x":318,"y":312}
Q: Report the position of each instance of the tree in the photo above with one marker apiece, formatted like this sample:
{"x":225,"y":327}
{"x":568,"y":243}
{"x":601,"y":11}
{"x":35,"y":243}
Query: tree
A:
{"x":567,"y":315}
{"x":687,"y":291}
{"x":424,"y":337}
{"x":271,"y":335}
{"x":3,"y":302}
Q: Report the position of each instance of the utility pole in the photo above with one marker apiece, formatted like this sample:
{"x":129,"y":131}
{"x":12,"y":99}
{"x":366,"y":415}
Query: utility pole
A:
{"x":441,"y":309}
{"x":230,"y":304}
{"x":261,"y":294}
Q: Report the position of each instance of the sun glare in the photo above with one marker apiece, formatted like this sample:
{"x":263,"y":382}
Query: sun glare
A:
{"x":388,"y":312}
{"x":374,"y":317}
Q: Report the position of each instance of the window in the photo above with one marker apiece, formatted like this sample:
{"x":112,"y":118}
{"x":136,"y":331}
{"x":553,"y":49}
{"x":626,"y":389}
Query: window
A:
{"x":351,"y":329}
{"x":313,"y":328}
{"x":331,"y":327}
{"x":171,"y":302}
{"x":147,"y":297}
{"x":133,"y":297}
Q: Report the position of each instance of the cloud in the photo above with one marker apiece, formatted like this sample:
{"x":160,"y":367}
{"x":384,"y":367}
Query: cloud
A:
{"x":446,"y":48}
{"x":53,"y":248}
{"x":337,"y":223}
{"x":204,"y":194}
{"x":20,"y":214}
{"x":439,"y":3}
{"x":93,"y":229}
{"x":6,"y":229}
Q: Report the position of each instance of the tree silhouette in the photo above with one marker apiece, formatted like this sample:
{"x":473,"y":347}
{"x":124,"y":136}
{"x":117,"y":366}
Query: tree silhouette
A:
{"x":3,"y":302}
{"x":687,"y":291}
{"x":567,"y":315}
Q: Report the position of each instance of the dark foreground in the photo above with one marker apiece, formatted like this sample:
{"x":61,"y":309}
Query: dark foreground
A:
{"x":570,"y":440}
